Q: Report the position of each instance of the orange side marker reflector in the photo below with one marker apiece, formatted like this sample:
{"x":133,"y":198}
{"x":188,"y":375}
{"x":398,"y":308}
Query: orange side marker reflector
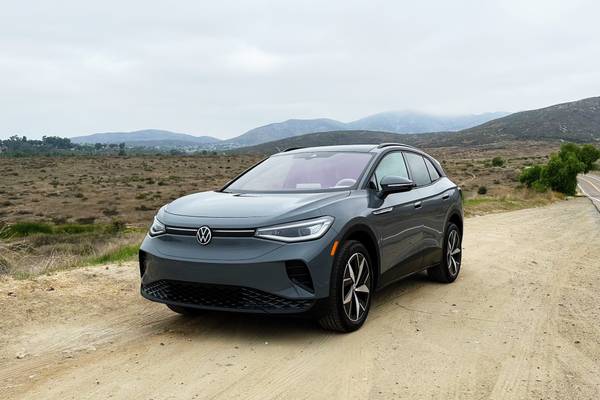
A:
{"x":334,"y":248}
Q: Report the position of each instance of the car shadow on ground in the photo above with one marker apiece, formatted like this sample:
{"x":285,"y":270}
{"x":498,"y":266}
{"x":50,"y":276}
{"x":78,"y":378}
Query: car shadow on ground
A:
{"x":252,"y":327}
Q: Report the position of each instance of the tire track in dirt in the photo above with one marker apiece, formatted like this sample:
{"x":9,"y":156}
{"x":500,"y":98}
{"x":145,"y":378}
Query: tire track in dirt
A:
{"x":507,"y":328}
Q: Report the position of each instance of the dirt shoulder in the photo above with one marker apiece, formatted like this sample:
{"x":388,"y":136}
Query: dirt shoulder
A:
{"x":520,"y":322}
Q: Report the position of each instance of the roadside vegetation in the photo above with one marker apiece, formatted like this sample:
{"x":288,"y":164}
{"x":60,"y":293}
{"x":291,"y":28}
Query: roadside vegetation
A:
{"x":32,"y":248}
{"x":560,"y":172}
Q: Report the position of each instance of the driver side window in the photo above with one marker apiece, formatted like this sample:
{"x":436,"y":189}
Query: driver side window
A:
{"x":392,"y":164}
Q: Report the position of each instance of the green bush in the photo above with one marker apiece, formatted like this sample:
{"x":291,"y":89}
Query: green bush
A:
{"x":539,"y":186}
{"x":497,"y":162}
{"x":589,"y":155}
{"x":482,"y":190}
{"x":560,"y":173}
{"x":530,"y":175}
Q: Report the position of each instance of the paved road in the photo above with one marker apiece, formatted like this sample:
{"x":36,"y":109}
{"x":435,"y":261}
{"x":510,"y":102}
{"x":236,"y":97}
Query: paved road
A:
{"x":521,"y":322}
{"x":589,"y":184}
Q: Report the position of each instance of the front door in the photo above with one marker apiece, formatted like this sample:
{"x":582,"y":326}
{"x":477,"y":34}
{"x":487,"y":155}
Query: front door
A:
{"x":397,"y":221}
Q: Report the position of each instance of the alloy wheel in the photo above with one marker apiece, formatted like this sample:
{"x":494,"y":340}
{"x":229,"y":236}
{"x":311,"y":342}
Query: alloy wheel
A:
{"x":453,"y":252}
{"x":356,"y":287}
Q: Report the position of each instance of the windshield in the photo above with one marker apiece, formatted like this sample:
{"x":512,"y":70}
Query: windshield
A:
{"x":315,"y":171}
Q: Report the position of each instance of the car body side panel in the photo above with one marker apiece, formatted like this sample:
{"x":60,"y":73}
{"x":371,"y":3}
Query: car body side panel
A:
{"x":399,"y":230}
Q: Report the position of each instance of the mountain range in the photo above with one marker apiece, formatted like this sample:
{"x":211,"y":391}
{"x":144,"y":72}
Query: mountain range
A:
{"x":394,"y":121}
{"x":147,"y":138}
{"x":577,"y":121}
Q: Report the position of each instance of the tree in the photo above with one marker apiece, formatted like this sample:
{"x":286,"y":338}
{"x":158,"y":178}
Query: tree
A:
{"x":530,"y":175}
{"x":589,"y":154}
{"x":560,"y":174}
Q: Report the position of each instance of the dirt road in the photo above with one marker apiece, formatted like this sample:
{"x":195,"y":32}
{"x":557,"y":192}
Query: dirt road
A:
{"x":522,"y":321}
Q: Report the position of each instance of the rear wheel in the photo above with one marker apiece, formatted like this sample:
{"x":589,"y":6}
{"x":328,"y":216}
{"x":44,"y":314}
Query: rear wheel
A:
{"x":184,"y":310}
{"x":351,"y":286}
{"x":448,"y":269}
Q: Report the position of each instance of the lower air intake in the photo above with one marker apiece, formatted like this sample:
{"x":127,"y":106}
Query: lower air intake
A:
{"x":222,"y":296}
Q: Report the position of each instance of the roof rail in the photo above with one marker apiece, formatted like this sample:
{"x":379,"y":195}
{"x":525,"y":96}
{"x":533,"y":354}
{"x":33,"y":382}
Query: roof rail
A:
{"x":292,"y":148}
{"x":382,"y":145}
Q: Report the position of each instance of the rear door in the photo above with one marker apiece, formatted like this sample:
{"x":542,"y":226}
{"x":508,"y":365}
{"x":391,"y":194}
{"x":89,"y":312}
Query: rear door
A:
{"x":397,"y":221}
{"x":427,"y":208}
{"x":437,"y":205}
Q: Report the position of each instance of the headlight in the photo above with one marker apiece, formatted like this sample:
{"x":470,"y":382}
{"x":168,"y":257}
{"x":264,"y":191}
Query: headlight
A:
{"x":297,"y":231}
{"x":157,"y":228}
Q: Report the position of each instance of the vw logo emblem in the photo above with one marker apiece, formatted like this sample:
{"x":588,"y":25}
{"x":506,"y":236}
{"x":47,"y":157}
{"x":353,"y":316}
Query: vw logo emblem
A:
{"x":204,"y":235}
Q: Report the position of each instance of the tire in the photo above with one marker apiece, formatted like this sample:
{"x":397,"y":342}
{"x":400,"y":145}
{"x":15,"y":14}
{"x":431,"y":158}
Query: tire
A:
{"x":342,"y":315}
{"x":449,"y":268}
{"x":187,"y":311}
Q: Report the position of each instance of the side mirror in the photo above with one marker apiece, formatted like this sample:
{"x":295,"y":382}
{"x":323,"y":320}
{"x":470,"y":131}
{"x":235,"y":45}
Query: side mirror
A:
{"x":395,"y":184}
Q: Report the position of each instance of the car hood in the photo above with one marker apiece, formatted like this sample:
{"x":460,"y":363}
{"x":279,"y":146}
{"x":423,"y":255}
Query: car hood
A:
{"x":249,"y":205}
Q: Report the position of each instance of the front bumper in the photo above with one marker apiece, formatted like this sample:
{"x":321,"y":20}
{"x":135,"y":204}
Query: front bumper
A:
{"x":281,"y":278}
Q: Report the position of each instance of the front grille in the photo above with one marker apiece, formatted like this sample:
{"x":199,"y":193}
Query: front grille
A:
{"x":222,"y":296}
{"x":174,"y":230}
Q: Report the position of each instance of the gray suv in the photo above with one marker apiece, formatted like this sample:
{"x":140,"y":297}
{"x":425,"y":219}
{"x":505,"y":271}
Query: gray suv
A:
{"x":307,"y":231}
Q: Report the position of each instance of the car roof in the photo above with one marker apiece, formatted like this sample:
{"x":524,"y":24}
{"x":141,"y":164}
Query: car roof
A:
{"x":359,"y":148}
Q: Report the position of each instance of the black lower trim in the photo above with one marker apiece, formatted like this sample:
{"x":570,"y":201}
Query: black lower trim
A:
{"x":222,"y":297}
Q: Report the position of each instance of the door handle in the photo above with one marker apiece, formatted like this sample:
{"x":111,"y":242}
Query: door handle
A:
{"x":418,"y":204}
{"x":383,"y":210}
{"x":446,"y":196}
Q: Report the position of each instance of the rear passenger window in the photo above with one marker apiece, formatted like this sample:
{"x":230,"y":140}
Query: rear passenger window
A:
{"x":391,"y":165}
{"x":433,"y":173}
{"x":418,"y":169}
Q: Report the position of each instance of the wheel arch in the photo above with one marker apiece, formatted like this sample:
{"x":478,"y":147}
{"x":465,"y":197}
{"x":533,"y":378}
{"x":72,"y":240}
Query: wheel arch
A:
{"x":457,"y":219}
{"x":362,"y":233}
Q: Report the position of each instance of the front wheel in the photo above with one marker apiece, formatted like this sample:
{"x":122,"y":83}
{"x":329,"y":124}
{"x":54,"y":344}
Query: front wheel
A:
{"x":449,"y":267}
{"x":351,"y":286}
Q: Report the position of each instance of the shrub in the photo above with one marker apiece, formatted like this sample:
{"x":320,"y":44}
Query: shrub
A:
{"x":497,"y":162}
{"x":482,"y":190}
{"x":589,"y":155}
{"x":530,"y":175}
{"x":560,"y":174}
{"x":539,"y":187}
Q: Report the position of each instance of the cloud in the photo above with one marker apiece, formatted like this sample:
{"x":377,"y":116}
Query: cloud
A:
{"x":220,"y":68}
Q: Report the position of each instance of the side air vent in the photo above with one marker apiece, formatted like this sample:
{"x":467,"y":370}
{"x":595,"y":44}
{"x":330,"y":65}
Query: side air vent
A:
{"x":142,"y":257}
{"x":299,"y":274}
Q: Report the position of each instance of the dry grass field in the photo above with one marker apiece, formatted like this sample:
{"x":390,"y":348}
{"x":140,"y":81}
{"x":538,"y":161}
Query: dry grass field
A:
{"x":73,"y":211}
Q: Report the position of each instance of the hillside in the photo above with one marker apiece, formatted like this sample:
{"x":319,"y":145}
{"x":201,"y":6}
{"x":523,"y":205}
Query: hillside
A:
{"x":577,"y":121}
{"x":392,"y":121}
{"x":415,"y":122}
{"x":286,"y":129}
{"x":147,"y":137}
{"x":331,"y":138}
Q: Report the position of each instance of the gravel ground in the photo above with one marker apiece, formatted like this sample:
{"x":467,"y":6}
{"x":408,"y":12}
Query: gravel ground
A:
{"x":521,"y":322}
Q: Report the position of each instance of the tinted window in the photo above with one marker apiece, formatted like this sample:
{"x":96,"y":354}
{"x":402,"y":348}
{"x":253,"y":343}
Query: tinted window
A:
{"x":418,"y":169}
{"x":433,"y":173}
{"x":316,"y":171}
{"x":391,"y":165}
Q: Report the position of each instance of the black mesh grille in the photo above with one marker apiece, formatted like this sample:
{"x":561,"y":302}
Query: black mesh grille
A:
{"x":222,"y":296}
{"x":299,"y":274}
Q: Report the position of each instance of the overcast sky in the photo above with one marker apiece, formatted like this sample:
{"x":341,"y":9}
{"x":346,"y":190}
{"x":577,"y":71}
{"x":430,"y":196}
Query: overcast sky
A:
{"x":220,"y":68}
